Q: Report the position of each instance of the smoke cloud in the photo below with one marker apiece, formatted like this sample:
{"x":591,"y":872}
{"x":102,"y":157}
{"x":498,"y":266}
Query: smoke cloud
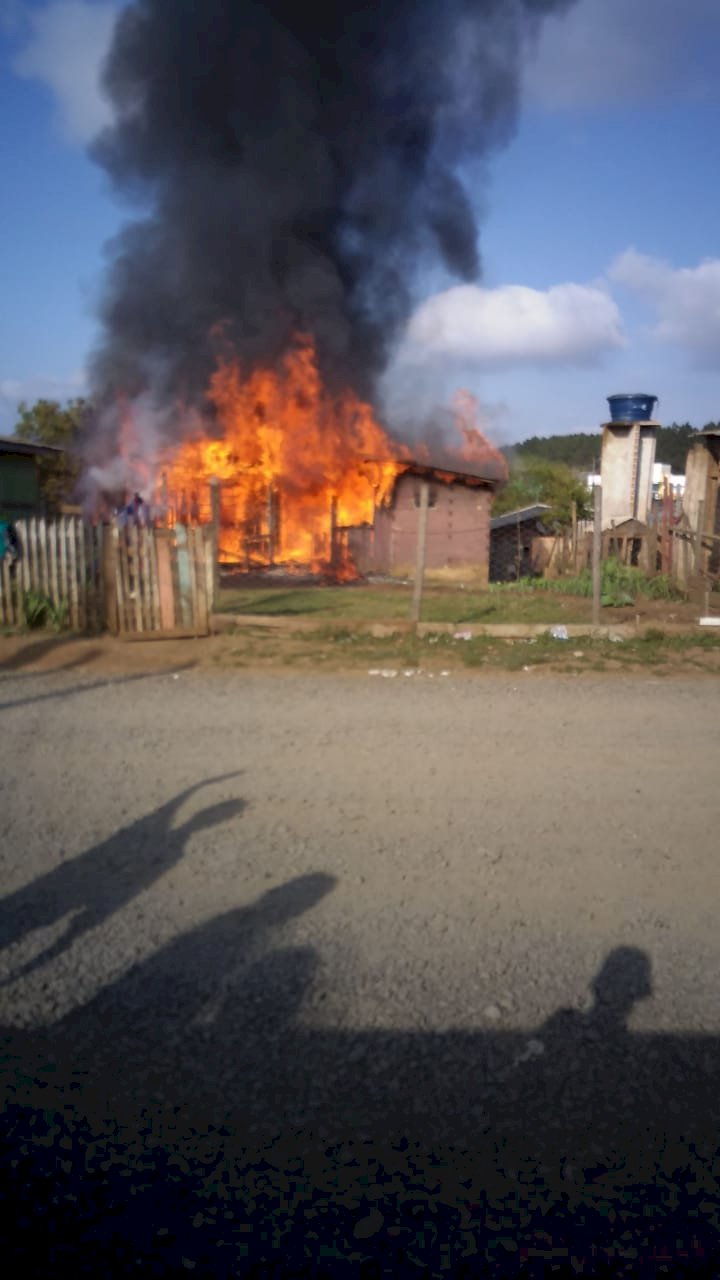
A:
{"x":297,"y":165}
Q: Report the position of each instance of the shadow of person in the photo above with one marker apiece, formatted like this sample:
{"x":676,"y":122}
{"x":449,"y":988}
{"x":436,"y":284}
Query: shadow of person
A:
{"x":106,"y":877}
{"x":223,"y":994}
{"x":203,"y":1081}
{"x":574,"y":1090}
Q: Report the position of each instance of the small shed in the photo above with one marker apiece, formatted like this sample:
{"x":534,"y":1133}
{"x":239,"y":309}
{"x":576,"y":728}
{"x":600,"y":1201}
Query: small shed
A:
{"x":458,"y":524}
{"x":516,"y":543}
{"x":632,"y":542}
{"x":20,"y":493}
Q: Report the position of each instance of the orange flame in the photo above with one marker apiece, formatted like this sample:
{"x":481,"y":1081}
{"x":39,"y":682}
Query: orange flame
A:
{"x":476,"y":449}
{"x":295,"y":464}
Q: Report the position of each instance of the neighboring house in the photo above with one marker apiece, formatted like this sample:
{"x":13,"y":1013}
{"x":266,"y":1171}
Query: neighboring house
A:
{"x":19,"y":477}
{"x":458,"y":525}
{"x":517,"y":543}
{"x":701,"y":508}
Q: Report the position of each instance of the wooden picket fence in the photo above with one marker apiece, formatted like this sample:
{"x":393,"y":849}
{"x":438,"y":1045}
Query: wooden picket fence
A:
{"x":161,"y":580}
{"x":130,"y":581}
{"x":60,"y":560}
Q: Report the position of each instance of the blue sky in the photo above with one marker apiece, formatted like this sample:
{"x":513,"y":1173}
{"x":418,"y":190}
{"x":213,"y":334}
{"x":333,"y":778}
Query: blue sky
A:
{"x":599,"y":231}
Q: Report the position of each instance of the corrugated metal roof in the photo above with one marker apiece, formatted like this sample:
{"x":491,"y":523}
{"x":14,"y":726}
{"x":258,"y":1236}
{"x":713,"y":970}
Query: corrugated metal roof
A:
{"x":521,"y":516}
{"x":11,"y":444}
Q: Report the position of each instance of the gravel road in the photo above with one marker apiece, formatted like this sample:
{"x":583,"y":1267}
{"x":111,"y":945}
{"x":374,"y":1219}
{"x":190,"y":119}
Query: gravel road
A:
{"x":422,"y":972}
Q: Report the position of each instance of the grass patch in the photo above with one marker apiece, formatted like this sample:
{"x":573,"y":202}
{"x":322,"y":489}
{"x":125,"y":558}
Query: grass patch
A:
{"x":512,"y":603}
{"x":535,"y":600}
{"x":620,"y":585}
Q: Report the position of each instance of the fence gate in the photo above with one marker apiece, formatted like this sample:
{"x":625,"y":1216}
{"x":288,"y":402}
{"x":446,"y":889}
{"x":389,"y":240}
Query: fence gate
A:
{"x":159,"y":581}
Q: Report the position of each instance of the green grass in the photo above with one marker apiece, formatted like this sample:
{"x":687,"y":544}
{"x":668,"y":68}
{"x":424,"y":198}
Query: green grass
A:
{"x":536,"y":600}
{"x":392,"y":604}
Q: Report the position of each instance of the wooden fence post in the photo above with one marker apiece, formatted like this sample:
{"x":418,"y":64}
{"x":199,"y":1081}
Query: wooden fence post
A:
{"x":597,"y":555}
{"x":421,"y":548}
{"x":215,"y":526}
{"x":109,"y":582}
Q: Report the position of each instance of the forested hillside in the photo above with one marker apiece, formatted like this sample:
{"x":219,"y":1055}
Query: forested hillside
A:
{"x":581,"y":451}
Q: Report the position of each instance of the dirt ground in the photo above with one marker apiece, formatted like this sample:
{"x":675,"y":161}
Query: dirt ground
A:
{"x":336,"y":971}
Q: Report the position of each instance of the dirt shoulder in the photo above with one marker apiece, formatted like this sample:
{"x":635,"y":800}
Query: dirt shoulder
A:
{"x":336,"y":648}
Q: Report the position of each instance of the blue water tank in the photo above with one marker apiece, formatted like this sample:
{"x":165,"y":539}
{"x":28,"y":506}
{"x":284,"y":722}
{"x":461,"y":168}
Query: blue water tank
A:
{"x":635,"y":407}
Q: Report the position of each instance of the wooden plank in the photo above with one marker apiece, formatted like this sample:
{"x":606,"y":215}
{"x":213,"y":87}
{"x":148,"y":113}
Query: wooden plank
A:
{"x":74,"y":603}
{"x":142,"y":579}
{"x":163,"y":551}
{"x":151,"y":568}
{"x":5,"y":599}
{"x":136,"y":584}
{"x":211,"y":570}
{"x":109,"y":617}
{"x":119,"y":543}
{"x":42,"y":535}
{"x":152,"y":553}
{"x":64,"y":580}
{"x":31,"y":553}
{"x":81,"y":572}
{"x":52,"y":542}
{"x":12,"y":596}
{"x":88,"y":536}
{"x":192,"y":576}
{"x":123,"y":581}
{"x":597,"y":555}
{"x":96,"y":540}
{"x":24,"y":568}
{"x":183,"y":573}
{"x":201,"y":558}
{"x":175,"y":633}
{"x":149,"y":579}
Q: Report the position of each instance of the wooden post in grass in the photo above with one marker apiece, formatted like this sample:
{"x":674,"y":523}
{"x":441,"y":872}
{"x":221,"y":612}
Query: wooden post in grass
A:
{"x":699,"y":531}
{"x":334,"y":547}
{"x":271,"y":522}
{"x":421,"y":545}
{"x":215,"y":523}
{"x":597,"y":554}
{"x":574,"y":549}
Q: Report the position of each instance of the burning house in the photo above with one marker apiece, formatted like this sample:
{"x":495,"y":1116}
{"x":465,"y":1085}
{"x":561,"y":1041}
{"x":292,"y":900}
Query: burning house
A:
{"x":297,"y":171}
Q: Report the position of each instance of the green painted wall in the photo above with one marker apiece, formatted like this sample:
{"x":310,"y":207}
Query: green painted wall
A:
{"x":19,"y":487}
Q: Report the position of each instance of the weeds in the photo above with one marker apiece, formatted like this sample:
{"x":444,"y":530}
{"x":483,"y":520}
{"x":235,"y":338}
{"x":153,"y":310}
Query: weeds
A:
{"x":620,"y":584}
{"x":38,"y":611}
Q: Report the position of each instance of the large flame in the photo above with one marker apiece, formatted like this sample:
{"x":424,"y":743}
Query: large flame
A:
{"x":295,"y":465}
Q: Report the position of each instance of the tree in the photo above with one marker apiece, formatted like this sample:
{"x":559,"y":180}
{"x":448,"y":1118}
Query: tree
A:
{"x":580,"y":450}
{"x":673,"y":443}
{"x":533,"y":480}
{"x":48,"y":422}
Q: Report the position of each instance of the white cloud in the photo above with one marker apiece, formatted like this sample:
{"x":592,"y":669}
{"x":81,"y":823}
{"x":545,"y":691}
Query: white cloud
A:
{"x":602,"y":52}
{"x":686,"y":299}
{"x":65,"y":48}
{"x":515,"y":325}
{"x":36,"y":387}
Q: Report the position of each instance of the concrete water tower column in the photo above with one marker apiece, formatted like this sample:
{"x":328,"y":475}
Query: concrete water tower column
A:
{"x":628,"y":456}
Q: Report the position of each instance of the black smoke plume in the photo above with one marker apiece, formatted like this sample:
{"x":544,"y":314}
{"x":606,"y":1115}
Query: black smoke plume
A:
{"x":296,"y":164}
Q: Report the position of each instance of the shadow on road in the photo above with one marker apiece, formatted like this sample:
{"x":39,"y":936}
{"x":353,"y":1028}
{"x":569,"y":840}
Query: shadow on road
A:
{"x":32,"y":651}
{"x":198,"y":1115}
{"x":104,"y":879}
{"x":65,"y":692}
